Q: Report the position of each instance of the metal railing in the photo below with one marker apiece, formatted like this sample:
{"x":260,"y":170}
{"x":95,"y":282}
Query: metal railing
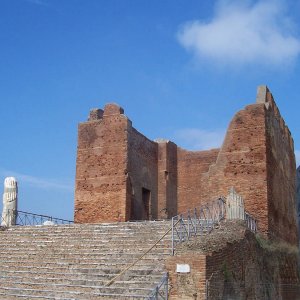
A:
{"x":160,"y":292}
{"x":22,"y":218}
{"x":141,"y":257}
{"x":251,"y":223}
{"x":194,"y":223}
{"x":202,"y":220}
{"x":235,"y":210}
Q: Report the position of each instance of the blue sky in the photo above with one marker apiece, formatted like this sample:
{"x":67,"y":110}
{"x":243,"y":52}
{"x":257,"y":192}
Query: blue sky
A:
{"x":180,"y":69}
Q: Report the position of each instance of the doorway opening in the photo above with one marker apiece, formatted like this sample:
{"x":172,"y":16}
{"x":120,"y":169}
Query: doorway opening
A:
{"x":146,"y":197}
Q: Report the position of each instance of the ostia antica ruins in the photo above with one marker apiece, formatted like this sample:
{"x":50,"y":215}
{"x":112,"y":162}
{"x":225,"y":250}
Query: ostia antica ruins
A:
{"x":10,"y":200}
{"x":298,"y":198}
{"x":121,"y":175}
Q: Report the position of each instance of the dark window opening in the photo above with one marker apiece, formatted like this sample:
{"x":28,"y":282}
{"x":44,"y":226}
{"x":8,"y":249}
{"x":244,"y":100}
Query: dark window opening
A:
{"x":146,"y":196}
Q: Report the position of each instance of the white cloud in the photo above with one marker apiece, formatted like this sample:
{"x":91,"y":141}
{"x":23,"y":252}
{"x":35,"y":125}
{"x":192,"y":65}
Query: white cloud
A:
{"x":243,"y":32}
{"x":37,"y":182}
{"x":38,"y":2}
{"x":297,"y":154}
{"x":199,"y":139}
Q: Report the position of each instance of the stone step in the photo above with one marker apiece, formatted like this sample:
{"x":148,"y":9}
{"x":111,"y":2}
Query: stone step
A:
{"x":21,"y":230}
{"x":94,"y":240}
{"x":150,"y":260}
{"x":94,"y":276}
{"x":99,"y":244}
{"x":77,"y":256}
{"x":145,"y":289}
{"x":147,"y":260}
{"x":81,"y":265}
{"x":110,"y":225}
{"x":82,"y":268}
{"x":57,"y":249}
{"x":84,"y":236}
{"x":95,"y":243}
{"x":83,"y":233}
{"x":76,"y":261}
{"x":69,"y":280}
{"x":65,"y":249}
{"x":62,"y":248}
{"x":79,"y":268}
{"x":85,"y":227}
{"x":90,"y":231}
{"x":28,"y":294}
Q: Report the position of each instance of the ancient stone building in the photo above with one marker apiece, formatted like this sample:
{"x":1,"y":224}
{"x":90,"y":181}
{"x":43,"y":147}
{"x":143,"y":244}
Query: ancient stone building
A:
{"x":298,"y":199}
{"x":122,"y":175}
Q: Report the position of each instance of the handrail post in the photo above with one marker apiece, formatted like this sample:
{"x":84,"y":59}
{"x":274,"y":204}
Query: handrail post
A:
{"x":188,"y":219}
{"x":167,"y":286}
{"x":173,"y":236}
{"x":181,"y":231}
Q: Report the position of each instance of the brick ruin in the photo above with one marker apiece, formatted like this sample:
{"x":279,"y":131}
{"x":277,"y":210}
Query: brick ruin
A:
{"x":121,"y":175}
{"x":298,"y":199}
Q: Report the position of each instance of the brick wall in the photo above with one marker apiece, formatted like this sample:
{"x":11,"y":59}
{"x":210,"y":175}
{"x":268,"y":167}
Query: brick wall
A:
{"x":100,"y":193}
{"x":142,"y":174}
{"x":240,"y":270}
{"x":192,"y":189}
{"x":167,"y":179}
{"x":298,"y":200}
{"x":281,"y":171}
{"x":257,"y":159}
{"x":122,"y":175}
{"x":187,"y":286}
{"x":245,"y":270}
{"x":241,"y":163}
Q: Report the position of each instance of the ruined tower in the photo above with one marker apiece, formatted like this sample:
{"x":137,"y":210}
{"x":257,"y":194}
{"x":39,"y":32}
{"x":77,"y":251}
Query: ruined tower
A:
{"x":122,"y":175}
{"x":298,"y":199}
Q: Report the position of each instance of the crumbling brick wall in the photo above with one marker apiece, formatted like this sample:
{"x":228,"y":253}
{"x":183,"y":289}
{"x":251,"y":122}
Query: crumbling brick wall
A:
{"x":167,"y":162}
{"x":281,"y":173}
{"x":298,"y":199}
{"x":121,"y":175}
{"x":257,"y":159}
{"x":100,"y":193}
{"x":193,"y":188}
{"x":244,"y":268}
{"x":142,"y":174}
{"x":187,"y":286}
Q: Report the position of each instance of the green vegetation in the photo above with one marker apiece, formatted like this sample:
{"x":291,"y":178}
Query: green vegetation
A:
{"x":276,"y":246}
{"x":226,"y":272}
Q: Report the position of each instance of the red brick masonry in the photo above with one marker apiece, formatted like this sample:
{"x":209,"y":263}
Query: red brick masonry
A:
{"x":122,"y":175}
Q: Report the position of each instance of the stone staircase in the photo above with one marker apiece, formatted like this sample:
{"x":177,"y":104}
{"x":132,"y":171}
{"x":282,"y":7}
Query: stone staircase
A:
{"x":77,"y":261}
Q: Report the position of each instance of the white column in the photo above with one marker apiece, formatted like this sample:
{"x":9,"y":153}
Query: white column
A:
{"x":10,"y":202}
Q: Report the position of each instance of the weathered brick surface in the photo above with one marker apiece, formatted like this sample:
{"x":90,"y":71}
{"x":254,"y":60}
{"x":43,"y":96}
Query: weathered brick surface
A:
{"x":241,"y":163}
{"x":100,"y":193}
{"x":244,"y":270}
{"x":117,"y":165}
{"x":281,"y":171}
{"x":187,"y":286}
{"x":167,"y":179}
{"x":193,"y":188}
{"x":298,"y":199}
{"x":245,"y":267}
{"x":142,"y":174}
{"x":257,"y":158}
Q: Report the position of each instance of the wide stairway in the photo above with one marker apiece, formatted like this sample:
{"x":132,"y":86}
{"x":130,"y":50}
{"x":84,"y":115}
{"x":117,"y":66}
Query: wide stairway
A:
{"x":77,"y":261}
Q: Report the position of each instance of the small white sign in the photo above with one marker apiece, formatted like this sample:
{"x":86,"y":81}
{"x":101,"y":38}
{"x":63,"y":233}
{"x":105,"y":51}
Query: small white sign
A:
{"x":183,"y":268}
